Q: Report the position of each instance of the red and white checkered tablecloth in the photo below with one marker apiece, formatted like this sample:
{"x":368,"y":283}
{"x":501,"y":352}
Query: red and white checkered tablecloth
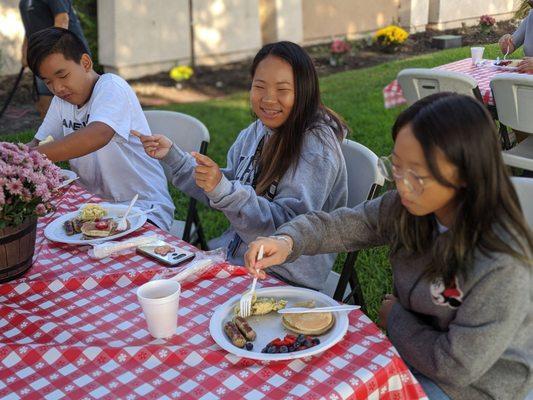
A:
{"x":80,"y":334}
{"x":393,"y":95}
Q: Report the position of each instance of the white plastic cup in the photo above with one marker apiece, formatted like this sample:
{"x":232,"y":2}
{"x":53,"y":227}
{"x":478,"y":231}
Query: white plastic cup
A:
{"x":477,"y":54}
{"x":160,"y":302}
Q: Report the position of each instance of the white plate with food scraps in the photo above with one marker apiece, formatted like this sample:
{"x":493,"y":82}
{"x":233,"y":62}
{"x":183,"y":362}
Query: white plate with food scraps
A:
{"x":509,"y":65}
{"x":269,"y":327}
{"x":55,"y":230}
{"x":67,"y":176}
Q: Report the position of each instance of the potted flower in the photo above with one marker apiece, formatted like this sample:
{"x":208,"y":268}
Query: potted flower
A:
{"x":181,"y":73}
{"x":27,"y":181}
{"x":338,"y":50}
{"x":486,"y":23}
{"x":390,"y":38}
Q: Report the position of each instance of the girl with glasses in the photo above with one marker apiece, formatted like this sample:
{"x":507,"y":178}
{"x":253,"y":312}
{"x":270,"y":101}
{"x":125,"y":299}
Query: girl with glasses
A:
{"x":460,"y":314}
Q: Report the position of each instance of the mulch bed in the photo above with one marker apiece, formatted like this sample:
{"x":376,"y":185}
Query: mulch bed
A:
{"x":219,"y":81}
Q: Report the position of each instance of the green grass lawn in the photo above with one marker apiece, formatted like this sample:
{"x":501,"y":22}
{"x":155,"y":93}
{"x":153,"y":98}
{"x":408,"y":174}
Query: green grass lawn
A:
{"x":357,"y":96}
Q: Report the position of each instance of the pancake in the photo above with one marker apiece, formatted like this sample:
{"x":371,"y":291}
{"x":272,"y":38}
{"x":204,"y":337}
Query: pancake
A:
{"x":90,"y":230}
{"x":310,"y":323}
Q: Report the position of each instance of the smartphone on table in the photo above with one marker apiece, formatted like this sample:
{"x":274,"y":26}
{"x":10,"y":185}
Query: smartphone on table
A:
{"x":166,"y":253}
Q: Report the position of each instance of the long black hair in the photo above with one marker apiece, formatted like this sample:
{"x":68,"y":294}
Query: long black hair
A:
{"x":283,"y":150}
{"x":486,"y":203}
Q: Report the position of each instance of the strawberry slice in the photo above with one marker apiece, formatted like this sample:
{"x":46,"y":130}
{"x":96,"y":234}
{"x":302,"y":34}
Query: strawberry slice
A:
{"x":101,"y":225}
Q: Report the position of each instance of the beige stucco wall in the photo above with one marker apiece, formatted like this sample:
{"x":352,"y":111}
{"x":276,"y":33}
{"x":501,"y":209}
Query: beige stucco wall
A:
{"x":150,"y":36}
{"x":281,"y":20}
{"x":11,"y":37}
{"x":323,"y":19}
{"x":225,"y":30}
{"x":142,"y":37}
{"x":446,"y":14}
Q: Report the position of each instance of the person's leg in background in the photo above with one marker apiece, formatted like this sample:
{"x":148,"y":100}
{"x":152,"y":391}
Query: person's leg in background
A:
{"x":45,"y":97}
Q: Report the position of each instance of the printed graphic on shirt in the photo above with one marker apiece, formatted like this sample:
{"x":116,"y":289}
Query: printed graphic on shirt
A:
{"x":245,"y":170}
{"x":75,"y":125}
{"x":451,"y":296}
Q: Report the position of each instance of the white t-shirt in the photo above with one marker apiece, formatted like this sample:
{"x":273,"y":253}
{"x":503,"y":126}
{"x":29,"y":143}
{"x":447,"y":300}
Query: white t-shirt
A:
{"x":121,"y":168}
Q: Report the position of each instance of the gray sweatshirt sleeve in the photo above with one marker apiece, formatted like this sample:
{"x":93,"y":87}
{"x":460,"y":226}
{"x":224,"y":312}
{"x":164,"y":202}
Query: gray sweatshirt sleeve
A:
{"x":481,"y":331}
{"x":343,"y":230}
{"x":182,"y":166}
{"x":296,"y":194}
{"x":520,"y":34}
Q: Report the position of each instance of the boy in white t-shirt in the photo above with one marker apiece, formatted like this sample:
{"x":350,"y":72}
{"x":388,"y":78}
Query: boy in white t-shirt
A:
{"x":90,"y":119}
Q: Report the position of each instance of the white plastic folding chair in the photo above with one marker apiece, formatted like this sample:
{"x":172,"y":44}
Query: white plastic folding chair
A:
{"x":417,"y":83}
{"x":513,"y":94}
{"x":364,"y":181}
{"x":189,"y":134}
{"x":524,"y":190}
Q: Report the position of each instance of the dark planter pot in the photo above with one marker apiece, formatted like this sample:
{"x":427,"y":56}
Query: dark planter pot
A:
{"x":17,"y":245}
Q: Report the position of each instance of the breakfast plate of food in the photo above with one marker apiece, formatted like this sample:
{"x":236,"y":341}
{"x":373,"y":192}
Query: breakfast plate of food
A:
{"x":93,"y":223}
{"x":506,"y":64}
{"x":268,"y":335}
{"x":67,"y":177}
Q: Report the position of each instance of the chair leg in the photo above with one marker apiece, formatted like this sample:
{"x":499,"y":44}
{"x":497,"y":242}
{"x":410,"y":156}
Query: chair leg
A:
{"x":356,"y":294}
{"x":189,"y":220}
{"x":349,"y":275}
{"x":199,"y":231}
{"x":504,"y":137}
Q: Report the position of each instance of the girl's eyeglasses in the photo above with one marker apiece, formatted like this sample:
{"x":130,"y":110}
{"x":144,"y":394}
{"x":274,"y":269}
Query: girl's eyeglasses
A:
{"x":413,"y":182}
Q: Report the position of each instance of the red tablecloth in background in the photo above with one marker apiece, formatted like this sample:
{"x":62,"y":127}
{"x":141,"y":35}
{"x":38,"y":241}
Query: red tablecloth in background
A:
{"x":72,"y":328}
{"x":393,"y":95}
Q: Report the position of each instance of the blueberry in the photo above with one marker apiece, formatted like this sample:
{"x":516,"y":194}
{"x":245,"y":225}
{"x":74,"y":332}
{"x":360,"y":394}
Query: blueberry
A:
{"x":283,"y":349}
{"x":264,"y":350}
{"x":315,"y":341}
{"x":292,"y":348}
{"x":249,"y":346}
{"x":272,"y":350}
{"x":307,"y":343}
{"x":300,"y":339}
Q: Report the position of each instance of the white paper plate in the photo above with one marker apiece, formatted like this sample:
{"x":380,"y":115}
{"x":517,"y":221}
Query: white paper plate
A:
{"x":493,"y":63}
{"x":67,"y":176}
{"x":268,"y":327}
{"x":55,"y":231}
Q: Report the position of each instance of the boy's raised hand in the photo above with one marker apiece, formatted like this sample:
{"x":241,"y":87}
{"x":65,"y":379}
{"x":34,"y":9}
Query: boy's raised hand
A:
{"x":275,"y":252}
{"x":156,"y":146}
{"x":207,"y":173}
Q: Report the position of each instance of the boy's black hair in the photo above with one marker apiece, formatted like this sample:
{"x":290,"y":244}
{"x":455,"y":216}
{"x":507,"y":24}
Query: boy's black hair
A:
{"x":51,"y":41}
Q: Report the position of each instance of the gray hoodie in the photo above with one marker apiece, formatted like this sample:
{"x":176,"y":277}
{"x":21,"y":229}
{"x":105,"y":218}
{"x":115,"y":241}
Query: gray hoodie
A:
{"x":319,"y":182}
{"x":524,"y":35}
{"x":474,"y":338}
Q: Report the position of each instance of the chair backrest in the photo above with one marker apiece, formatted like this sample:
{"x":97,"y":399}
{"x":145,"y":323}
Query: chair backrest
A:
{"x":417,"y":83}
{"x":513,"y":94}
{"x":363,"y":174}
{"x":185,"y":131}
{"x":524,"y":190}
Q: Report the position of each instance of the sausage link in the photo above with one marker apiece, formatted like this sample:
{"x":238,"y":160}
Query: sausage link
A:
{"x":234,"y":335}
{"x":245,"y":328}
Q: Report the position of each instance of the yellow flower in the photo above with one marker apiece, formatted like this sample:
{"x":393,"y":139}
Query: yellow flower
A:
{"x":181,"y":73}
{"x":391,"y":35}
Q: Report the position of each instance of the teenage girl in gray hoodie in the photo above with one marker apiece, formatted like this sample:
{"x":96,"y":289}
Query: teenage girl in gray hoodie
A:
{"x":461,"y":311}
{"x":286,"y":163}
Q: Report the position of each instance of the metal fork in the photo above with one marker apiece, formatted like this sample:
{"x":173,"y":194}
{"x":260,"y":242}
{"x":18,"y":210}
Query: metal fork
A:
{"x":245,"y":304}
